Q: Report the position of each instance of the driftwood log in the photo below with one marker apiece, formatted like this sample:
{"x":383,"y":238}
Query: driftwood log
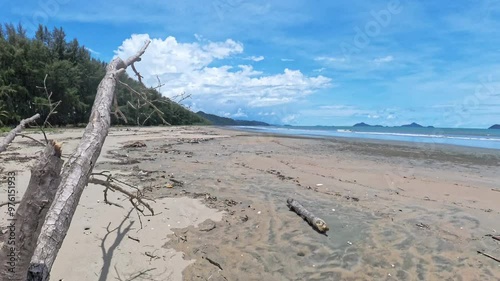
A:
{"x":77,"y":171}
{"x":314,"y":221}
{"x":12,"y":134}
{"x":25,"y":227}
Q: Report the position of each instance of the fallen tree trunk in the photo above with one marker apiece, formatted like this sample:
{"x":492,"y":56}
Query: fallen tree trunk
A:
{"x":77,"y":171}
{"x":25,"y":226}
{"x":315,"y":222}
{"x":12,"y":134}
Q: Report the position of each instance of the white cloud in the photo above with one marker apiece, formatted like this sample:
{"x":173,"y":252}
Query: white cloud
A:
{"x":92,"y":51}
{"x":289,"y":119}
{"x":240,"y":113}
{"x":336,"y":111}
{"x":254,"y":58}
{"x":272,"y":113}
{"x":187,"y":67}
{"x":331,"y":59}
{"x":383,"y":59}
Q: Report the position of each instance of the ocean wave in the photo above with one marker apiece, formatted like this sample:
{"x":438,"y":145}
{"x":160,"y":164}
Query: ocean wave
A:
{"x":429,"y":136}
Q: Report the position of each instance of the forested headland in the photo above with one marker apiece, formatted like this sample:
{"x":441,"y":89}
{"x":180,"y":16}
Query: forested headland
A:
{"x":73,"y":76}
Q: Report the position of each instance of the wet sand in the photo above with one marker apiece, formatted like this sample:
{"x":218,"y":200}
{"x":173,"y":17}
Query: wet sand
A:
{"x":396,"y":211}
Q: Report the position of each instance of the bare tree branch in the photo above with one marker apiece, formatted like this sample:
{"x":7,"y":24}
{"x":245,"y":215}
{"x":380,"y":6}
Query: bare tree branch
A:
{"x":118,"y":113}
{"x":52,"y":107}
{"x":147,"y":118}
{"x":181,"y":97}
{"x":139,"y":76}
{"x":77,"y":171}
{"x":137,"y":197}
{"x":143,"y":97}
{"x":12,"y":134}
{"x":158,"y":87}
{"x":33,"y":139}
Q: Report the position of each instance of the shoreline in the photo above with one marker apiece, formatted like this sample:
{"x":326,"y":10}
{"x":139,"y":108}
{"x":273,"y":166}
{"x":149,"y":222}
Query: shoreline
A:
{"x":394,"y":212}
{"x":492,"y":155}
{"x":360,"y":139}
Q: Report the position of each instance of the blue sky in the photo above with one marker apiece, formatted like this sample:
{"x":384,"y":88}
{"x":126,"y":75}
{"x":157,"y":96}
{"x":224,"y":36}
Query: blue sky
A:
{"x":301,"y":62}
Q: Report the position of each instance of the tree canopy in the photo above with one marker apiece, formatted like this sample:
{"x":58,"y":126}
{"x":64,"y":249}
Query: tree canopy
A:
{"x":73,"y":76}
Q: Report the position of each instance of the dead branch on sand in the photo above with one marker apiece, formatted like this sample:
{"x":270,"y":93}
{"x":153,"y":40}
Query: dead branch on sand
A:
{"x":12,"y":134}
{"x":110,"y":183}
{"x":488,"y":256}
{"x":315,"y":222}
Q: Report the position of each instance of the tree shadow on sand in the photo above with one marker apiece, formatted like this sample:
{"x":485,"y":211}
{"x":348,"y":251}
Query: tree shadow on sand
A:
{"x":107,"y":254}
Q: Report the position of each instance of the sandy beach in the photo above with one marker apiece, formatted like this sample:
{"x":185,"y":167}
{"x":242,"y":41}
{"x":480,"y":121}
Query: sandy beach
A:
{"x":396,"y":211}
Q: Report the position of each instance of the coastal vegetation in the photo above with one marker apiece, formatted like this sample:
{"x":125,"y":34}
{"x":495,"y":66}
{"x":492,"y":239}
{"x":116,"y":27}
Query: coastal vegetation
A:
{"x":225,"y":121}
{"x":72,"y":76}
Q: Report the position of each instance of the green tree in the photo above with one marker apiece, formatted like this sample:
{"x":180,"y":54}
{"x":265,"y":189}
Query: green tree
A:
{"x":73,"y":77}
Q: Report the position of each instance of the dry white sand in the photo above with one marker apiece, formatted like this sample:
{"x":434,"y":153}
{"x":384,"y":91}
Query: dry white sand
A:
{"x":102,"y":241}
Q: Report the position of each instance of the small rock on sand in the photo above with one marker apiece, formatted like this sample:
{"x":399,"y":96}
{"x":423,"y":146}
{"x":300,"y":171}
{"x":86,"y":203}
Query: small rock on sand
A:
{"x":207,"y":225}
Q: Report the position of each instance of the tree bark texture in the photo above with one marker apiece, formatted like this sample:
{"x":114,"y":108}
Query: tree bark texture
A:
{"x":25,"y":227}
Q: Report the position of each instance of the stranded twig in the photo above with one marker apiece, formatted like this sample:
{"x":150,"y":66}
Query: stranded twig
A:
{"x":214,"y":262}
{"x":133,"y":238}
{"x":151,"y":255}
{"x":488,"y":256}
{"x":493,"y":237}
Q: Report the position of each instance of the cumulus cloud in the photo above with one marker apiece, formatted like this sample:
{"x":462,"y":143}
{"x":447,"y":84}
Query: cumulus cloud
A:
{"x":202,"y":69}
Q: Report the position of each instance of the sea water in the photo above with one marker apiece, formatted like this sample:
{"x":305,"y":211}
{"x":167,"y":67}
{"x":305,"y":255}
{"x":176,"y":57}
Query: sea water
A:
{"x":483,"y":138}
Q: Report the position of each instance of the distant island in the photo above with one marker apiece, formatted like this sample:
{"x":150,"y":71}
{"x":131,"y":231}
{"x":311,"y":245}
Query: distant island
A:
{"x":363,"y":124}
{"x":415,"y":125}
{"x":496,"y":126}
{"x":412,"y":125}
{"x":224,"y":121}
